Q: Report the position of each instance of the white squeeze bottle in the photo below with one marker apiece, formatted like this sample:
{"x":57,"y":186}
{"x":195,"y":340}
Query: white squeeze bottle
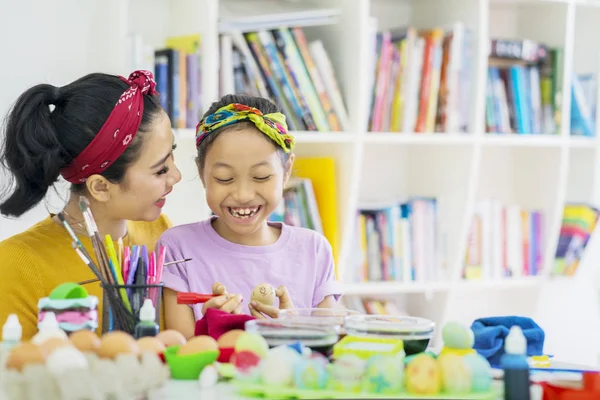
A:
{"x":11,"y":332}
{"x":48,"y":329}
{"x":11,"y":336}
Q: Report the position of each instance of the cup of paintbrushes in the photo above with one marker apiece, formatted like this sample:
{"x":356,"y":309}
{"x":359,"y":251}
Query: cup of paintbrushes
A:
{"x":123,"y":314}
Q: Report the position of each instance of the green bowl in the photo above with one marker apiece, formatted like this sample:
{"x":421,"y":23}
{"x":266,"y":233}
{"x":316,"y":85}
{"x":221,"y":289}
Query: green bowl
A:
{"x":188,"y":366}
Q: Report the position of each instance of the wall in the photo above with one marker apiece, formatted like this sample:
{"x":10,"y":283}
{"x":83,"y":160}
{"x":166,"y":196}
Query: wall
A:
{"x":59,"y":42}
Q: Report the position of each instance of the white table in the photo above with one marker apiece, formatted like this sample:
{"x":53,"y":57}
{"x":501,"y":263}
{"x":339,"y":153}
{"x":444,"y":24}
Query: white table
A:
{"x":176,"y":390}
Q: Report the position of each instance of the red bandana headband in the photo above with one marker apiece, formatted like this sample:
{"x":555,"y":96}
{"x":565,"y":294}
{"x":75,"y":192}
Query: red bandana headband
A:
{"x":116,"y":133}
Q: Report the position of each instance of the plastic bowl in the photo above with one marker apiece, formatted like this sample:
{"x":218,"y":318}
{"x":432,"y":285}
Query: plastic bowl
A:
{"x":188,"y":366}
{"x":416,"y":333}
{"x":280,"y":331}
{"x":332,"y":317}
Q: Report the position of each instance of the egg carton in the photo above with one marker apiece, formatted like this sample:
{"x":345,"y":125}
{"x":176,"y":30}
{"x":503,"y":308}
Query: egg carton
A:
{"x":127,"y":377}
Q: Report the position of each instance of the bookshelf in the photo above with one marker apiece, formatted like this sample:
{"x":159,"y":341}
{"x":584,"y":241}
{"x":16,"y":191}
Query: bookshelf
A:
{"x":460,"y":168}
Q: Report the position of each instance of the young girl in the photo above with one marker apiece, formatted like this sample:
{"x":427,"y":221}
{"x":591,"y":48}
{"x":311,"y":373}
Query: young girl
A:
{"x":109,"y":137}
{"x":244,"y":160}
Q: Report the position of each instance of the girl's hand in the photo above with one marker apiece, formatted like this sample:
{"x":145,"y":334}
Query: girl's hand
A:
{"x":261,"y":311}
{"x":225,"y":302}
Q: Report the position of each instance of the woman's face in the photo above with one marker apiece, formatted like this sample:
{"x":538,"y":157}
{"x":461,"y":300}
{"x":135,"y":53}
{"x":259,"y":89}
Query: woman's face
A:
{"x":142,"y":194}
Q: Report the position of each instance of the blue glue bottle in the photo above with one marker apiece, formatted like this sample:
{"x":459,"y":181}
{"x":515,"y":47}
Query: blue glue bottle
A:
{"x":147,"y":325}
{"x":515,"y":366}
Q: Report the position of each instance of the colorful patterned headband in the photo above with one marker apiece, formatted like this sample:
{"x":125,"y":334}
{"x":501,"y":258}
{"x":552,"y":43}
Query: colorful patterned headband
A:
{"x":273,"y":125}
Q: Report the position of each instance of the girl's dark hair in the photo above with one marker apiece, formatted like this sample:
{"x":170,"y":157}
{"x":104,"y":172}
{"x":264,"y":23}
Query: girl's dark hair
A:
{"x":264,"y":105}
{"x":39,"y":140}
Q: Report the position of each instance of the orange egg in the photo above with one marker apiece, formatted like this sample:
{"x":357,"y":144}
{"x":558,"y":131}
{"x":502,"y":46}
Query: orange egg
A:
{"x":171,"y":337}
{"x":25,"y":354}
{"x":51,"y":344}
{"x":228,"y":339}
{"x":117,"y":342}
{"x":198,"y":344}
{"x":85,"y":340}
{"x":151,"y":344}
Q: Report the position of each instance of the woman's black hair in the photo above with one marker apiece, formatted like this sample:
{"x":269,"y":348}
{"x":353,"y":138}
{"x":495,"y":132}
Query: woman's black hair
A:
{"x":49,"y":126}
{"x":264,"y":105}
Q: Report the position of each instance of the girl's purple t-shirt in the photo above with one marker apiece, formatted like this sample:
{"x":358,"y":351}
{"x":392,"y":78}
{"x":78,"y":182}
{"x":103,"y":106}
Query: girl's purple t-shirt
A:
{"x":301,"y":259}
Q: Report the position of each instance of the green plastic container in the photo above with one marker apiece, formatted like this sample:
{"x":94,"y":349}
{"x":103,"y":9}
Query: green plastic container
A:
{"x":188,"y":366}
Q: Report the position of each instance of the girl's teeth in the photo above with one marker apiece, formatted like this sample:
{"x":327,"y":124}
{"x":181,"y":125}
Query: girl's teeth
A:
{"x":243,"y":212}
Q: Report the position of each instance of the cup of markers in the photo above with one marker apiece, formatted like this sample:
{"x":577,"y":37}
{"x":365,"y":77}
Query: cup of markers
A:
{"x":137,"y":275}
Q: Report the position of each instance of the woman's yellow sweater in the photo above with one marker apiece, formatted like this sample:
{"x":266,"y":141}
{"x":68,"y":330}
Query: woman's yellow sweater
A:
{"x":37,"y":260}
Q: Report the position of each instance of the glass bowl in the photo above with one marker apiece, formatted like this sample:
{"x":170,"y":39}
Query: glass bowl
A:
{"x":328,"y":317}
{"x":415,"y":332}
{"x":279,"y":332}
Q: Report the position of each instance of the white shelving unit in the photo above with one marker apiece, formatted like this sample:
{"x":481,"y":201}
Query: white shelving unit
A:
{"x":534,"y":171}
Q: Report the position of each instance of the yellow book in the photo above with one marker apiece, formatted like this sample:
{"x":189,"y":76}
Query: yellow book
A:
{"x":189,"y":44}
{"x":321,"y":172}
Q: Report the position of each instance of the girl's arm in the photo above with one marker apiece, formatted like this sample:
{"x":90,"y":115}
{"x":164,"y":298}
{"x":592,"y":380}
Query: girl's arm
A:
{"x":179,"y":317}
{"x":330,"y":302}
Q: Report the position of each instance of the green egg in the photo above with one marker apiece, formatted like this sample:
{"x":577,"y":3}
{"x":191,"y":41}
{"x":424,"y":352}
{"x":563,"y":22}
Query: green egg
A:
{"x":457,"y":336}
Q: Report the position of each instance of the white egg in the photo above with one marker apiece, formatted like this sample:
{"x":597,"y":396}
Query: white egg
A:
{"x":64,"y":359}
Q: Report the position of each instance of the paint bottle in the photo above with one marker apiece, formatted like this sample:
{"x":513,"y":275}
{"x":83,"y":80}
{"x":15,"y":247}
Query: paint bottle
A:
{"x":515,"y":366}
{"x":11,"y":336}
{"x":147,"y":325}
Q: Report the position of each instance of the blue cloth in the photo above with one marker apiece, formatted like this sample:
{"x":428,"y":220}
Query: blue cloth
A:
{"x":490,"y":334}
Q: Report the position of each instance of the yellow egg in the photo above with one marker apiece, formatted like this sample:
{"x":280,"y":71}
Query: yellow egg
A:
{"x":54,"y":343}
{"x":198,"y":344}
{"x":263,"y":293}
{"x":228,"y":339}
{"x":117,"y":342}
{"x":85,"y":340}
{"x":150,"y":344}
{"x":171,"y":337}
{"x":423,"y":375}
{"x":24,"y":354}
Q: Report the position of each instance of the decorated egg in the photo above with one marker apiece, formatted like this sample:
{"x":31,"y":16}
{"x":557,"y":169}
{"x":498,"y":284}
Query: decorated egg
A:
{"x":456,"y":376}
{"x":457,"y":336}
{"x":345,"y":373}
{"x":277,"y":367}
{"x":246,"y":366}
{"x":310,"y":374}
{"x":422,"y":375}
{"x":250,"y":341}
{"x":263,"y":293}
{"x":383,"y":374}
{"x":481,"y":372}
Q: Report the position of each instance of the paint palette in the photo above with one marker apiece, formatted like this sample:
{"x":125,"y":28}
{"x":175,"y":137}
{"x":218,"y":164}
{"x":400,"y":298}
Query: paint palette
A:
{"x":414,"y":332}
{"x":279,"y":332}
{"x":328,"y":317}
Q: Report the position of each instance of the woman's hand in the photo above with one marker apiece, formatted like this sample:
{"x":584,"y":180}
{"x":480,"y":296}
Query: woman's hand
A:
{"x":261,"y":311}
{"x":224,"y":301}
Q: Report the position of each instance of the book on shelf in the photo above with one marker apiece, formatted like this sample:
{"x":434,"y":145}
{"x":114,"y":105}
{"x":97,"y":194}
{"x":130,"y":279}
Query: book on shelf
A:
{"x":310,"y":199}
{"x":420,"y":80}
{"x":177,"y":72}
{"x":524,"y":91}
{"x":504,"y":241}
{"x":282,"y":65}
{"x":299,"y":206}
{"x":578,"y":224}
{"x":397,"y":242}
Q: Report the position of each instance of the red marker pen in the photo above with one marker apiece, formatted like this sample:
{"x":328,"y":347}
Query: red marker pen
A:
{"x":194,"y":298}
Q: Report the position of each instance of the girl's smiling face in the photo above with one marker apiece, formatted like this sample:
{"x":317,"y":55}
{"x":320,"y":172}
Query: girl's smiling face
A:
{"x":244,"y":176}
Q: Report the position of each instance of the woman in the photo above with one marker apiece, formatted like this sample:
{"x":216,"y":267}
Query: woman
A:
{"x":109,"y":137}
